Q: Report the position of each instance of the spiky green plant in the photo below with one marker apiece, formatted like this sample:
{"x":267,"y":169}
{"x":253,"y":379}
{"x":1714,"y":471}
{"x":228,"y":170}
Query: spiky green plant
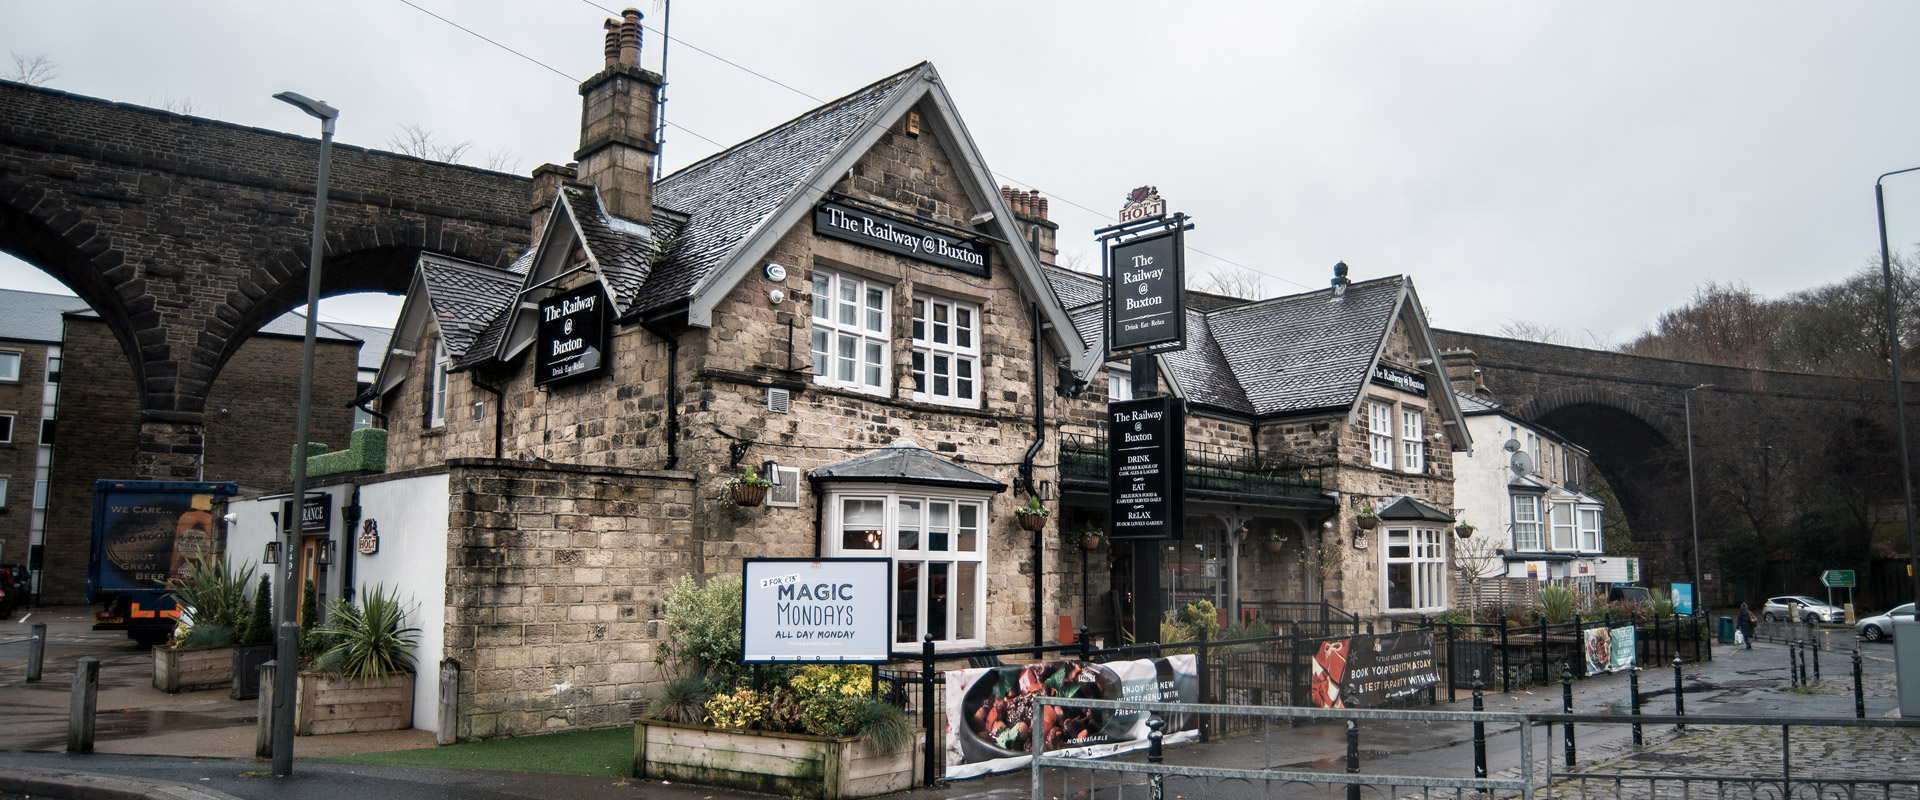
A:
{"x":259,"y":626}
{"x":1662,"y":602}
{"x":370,"y":640}
{"x":683,"y":700}
{"x":1556,"y":603}
{"x":211,"y":595}
{"x":885,"y":724}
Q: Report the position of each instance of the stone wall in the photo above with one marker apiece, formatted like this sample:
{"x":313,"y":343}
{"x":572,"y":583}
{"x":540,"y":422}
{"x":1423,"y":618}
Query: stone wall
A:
{"x":556,"y":585}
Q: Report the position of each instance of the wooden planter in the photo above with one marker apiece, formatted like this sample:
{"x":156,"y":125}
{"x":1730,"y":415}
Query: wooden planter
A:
{"x":747,"y":496}
{"x":785,"y":764}
{"x":1032,"y":522}
{"x":333,"y":704}
{"x":177,"y":671}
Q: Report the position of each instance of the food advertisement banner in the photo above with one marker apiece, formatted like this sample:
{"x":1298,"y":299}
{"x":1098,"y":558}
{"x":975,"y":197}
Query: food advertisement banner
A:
{"x":1608,"y":649}
{"x":990,"y":710}
{"x":1371,"y":671}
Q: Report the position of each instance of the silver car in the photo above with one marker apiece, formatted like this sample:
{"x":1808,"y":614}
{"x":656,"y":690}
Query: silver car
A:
{"x":1880,"y":626}
{"x":1811,"y":610}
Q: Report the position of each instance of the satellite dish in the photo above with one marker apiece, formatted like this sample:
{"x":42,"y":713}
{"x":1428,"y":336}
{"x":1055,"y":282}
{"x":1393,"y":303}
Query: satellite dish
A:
{"x":1512,"y":446}
{"x":1521,"y":463}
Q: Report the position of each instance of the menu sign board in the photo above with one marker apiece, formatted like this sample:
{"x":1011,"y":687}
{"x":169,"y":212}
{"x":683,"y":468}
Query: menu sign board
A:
{"x":572,"y":339}
{"x":901,"y":237}
{"x":1147,"y":310}
{"x":1146,"y":459}
{"x":816,"y":609}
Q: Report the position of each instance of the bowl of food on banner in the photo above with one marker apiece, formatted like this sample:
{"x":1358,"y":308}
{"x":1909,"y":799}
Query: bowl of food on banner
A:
{"x":999,"y":707}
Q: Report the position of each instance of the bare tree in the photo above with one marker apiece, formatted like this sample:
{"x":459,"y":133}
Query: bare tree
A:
{"x":1075,"y":260}
{"x":1236,"y":282}
{"x":418,"y":142}
{"x":502,"y":161}
{"x":33,"y":70}
{"x":1478,"y":560}
{"x":181,"y":105}
{"x":1529,"y":331}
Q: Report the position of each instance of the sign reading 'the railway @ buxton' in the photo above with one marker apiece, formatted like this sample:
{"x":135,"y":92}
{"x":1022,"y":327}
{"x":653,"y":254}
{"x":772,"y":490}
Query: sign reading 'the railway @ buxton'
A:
{"x":901,"y":237}
{"x":1146,"y":463}
{"x":572,"y":336}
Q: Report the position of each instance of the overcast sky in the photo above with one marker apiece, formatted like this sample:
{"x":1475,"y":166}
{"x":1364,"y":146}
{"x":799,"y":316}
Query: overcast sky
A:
{"x":1578,"y":165}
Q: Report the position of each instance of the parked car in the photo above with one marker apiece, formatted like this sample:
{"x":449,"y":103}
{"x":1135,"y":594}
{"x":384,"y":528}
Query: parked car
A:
{"x":1811,"y":610}
{"x":1880,"y":626}
{"x":1630,"y":594}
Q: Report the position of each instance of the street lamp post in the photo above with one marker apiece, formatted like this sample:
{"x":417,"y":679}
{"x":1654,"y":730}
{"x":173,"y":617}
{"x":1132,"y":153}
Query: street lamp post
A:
{"x":285,"y":676}
{"x":1899,"y":388}
{"x":1693,"y":502}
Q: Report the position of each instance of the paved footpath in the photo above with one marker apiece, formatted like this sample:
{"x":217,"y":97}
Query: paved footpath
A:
{"x":199,"y":744}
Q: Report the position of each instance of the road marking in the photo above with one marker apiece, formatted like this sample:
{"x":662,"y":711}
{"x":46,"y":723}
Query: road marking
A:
{"x":23,"y":620}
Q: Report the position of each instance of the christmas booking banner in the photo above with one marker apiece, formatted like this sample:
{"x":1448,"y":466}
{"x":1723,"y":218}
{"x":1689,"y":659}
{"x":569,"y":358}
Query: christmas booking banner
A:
{"x":990,"y":710}
{"x":1373,"y":670}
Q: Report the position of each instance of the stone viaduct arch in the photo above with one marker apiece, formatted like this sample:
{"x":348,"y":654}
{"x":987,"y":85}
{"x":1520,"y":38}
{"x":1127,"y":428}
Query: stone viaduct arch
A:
{"x":1630,"y":412}
{"x":186,"y":234}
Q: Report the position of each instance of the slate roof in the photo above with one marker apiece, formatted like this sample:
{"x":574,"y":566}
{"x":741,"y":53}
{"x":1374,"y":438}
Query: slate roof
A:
{"x":35,"y":316}
{"x":1305,"y":351}
{"x":1472,"y":404}
{"x":1073,"y":287}
{"x":1409,"y":508}
{"x":465,"y":298}
{"x":729,"y":195}
{"x":484,"y":342}
{"x":1203,"y":371}
{"x":623,"y":250}
{"x":373,"y":347}
{"x":906,"y":462}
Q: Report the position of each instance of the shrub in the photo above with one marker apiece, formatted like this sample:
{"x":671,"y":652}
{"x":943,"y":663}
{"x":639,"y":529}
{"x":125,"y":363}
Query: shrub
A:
{"x":259,"y":626}
{"x":1661,"y":602}
{"x":1455,"y":615}
{"x":703,"y":627}
{"x":684,"y":699}
{"x":886,"y":724}
{"x":736,"y":710}
{"x":1556,"y":603}
{"x":313,"y":641}
{"x":211,"y":597}
{"x":784,"y":712}
{"x":831,"y":698}
{"x":371,"y":640}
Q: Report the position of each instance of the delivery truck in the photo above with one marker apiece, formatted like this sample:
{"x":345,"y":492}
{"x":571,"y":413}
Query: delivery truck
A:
{"x":145,"y":532}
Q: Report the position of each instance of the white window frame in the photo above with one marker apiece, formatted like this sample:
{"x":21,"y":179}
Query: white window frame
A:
{"x":868,"y":368}
{"x":1592,"y":537}
{"x":3,"y":490}
{"x":11,"y":364}
{"x":40,"y":489}
{"x":1555,"y":513}
{"x":6,"y":436}
{"x":1413,"y":454}
{"x":1380,"y":433}
{"x":928,"y":350}
{"x":1426,"y":560}
{"x":894,"y":498}
{"x":1526,"y":523}
{"x":1119,"y":383}
{"x":437,"y":391}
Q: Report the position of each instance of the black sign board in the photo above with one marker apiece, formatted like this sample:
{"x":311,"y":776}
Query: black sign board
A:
{"x":1147,"y":308}
{"x":316,"y":513}
{"x":1146,"y":459}
{"x":900,"y":237}
{"x":1400,"y":379}
{"x":572,"y":339}
{"x":1368,"y":671}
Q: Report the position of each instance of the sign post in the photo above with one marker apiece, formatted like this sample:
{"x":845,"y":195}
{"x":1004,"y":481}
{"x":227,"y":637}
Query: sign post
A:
{"x":1144,"y":263}
{"x":1839,"y":579}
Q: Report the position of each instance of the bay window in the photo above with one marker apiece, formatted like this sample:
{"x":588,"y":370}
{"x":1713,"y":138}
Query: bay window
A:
{"x":946,"y":351}
{"x":1414,"y":570}
{"x":938,"y":545}
{"x":850,"y":321}
{"x":1526,"y":522}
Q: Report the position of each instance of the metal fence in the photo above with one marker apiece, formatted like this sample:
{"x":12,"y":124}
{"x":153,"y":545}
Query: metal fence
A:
{"x":1531,"y":655}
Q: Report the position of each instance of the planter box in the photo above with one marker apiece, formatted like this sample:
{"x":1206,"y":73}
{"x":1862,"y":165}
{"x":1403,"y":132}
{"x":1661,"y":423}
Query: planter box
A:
{"x":332,"y":704}
{"x":786,"y":764}
{"x":177,"y":671}
{"x":247,"y":659}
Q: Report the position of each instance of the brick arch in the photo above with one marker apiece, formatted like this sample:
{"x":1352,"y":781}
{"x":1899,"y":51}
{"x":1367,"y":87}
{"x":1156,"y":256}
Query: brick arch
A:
{"x":1542,"y":405}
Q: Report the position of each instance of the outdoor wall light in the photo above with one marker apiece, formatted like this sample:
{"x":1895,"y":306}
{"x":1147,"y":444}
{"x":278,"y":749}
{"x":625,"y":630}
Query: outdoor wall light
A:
{"x":323,"y":555}
{"x":770,"y":470}
{"x":272,"y":556}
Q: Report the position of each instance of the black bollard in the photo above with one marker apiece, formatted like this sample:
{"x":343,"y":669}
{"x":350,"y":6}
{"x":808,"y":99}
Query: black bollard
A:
{"x":1679,"y":695}
{"x":1566,"y":707}
{"x":1156,"y":755}
{"x":1633,"y":686}
{"x":1793,"y":665}
{"x":1815,"y":646}
{"x":1803,"y":664}
{"x":1353,"y":757}
{"x":1479,"y":732}
{"x":1859,"y":691}
{"x":36,"y":651}
{"x":933,"y":751}
{"x":1086,"y":646}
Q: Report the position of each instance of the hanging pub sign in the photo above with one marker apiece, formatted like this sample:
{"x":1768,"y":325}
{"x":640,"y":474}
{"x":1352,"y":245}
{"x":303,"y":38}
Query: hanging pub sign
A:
{"x":1400,"y":379}
{"x":1146,"y":459}
{"x":572,"y":339}
{"x":816,"y":609}
{"x":1143,"y":203}
{"x":901,"y":237}
{"x":1146,"y":300}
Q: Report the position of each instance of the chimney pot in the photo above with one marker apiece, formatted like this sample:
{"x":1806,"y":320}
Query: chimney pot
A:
{"x":613,"y":41}
{"x":1340,"y":280}
{"x":630,"y":37}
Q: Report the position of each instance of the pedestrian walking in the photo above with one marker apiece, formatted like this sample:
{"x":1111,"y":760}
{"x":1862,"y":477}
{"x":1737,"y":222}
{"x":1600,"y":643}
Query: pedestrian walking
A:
{"x":1746,"y":624}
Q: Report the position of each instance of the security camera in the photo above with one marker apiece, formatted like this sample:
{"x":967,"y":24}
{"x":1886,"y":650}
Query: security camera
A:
{"x":230,"y":518}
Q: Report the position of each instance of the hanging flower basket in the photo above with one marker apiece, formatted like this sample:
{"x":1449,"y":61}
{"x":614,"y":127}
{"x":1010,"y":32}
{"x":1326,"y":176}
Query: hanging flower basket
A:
{"x":1463,"y":530}
{"x":1367,"y":523}
{"x":1032,"y":522}
{"x":1274,"y":545}
{"x":1089,"y":541}
{"x":747,"y":495}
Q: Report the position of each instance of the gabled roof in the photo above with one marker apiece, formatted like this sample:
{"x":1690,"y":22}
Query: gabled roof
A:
{"x":1408,"y":508}
{"x":1474,"y":405}
{"x":1308,"y":351}
{"x":373,"y":341}
{"x":906,"y":462}
{"x":461,"y":299}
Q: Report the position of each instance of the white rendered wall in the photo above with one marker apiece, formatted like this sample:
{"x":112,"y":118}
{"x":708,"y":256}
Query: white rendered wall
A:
{"x":253,"y":527}
{"x":412,"y":565}
{"x":1480,"y":479}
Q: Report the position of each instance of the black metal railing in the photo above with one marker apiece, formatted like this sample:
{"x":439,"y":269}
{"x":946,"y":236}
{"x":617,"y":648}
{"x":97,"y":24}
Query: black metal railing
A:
{"x":1210,"y":467}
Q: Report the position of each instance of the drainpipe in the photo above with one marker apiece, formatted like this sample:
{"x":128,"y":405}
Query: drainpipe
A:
{"x":1026,"y":471}
{"x":499,"y":406}
{"x":673,"y":392}
{"x":361,"y":404}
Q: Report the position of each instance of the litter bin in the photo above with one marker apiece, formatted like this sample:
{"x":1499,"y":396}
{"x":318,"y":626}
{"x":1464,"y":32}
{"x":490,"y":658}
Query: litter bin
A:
{"x":1726,"y":630}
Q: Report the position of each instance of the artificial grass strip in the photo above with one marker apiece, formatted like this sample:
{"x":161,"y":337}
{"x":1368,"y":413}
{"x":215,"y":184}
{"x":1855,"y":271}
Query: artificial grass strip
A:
{"x":604,"y":752}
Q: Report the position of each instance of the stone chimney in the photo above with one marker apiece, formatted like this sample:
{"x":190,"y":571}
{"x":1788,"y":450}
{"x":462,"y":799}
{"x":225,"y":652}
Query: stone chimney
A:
{"x":1030,"y":217}
{"x":617,"y":124}
{"x":1463,"y":372}
{"x":547,"y":179}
